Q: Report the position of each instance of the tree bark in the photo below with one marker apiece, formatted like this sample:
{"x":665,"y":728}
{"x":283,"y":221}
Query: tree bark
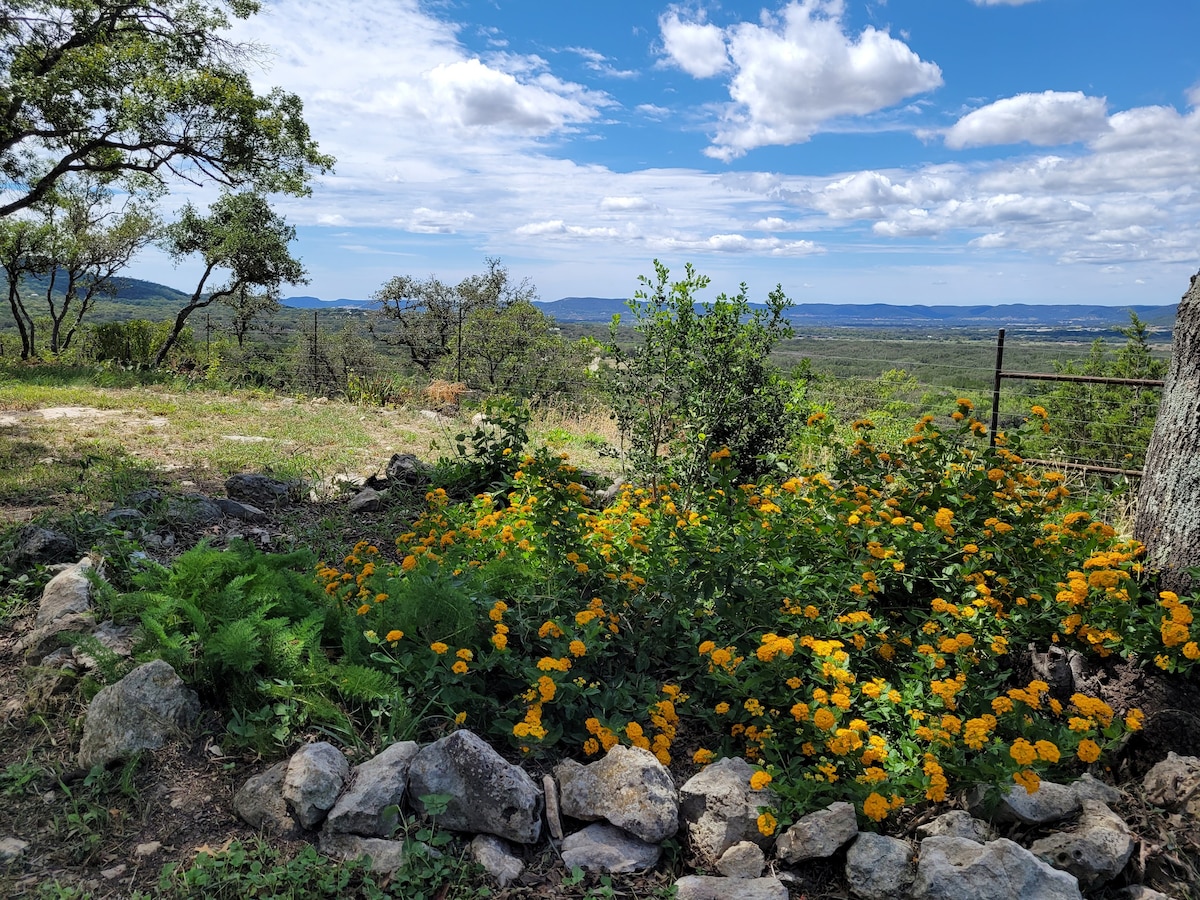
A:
{"x":1168,"y":511}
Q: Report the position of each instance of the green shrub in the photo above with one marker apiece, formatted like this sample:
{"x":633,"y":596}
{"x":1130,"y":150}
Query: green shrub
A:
{"x":699,"y":381}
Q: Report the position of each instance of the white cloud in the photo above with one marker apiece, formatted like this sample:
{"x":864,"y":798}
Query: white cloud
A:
{"x":697,"y":47}
{"x":625,"y":203}
{"x":736,"y":243}
{"x":431,"y":221}
{"x":1045,"y":119}
{"x":1002,"y":2}
{"x":598,"y":62}
{"x":794,"y":71}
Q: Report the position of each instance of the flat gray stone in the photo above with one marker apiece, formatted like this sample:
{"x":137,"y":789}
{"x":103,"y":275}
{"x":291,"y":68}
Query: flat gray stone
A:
{"x":366,"y":500}
{"x":142,"y":711}
{"x":385,"y":856}
{"x":958,"y":823}
{"x":711,"y":887}
{"x":1094,"y":851}
{"x":745,"y":859}
{"x":497,"y":857}
{"x":952,"y":868}
{"x":237,"y":510}
{"x":12,"y":848}
{"x":606,"y":848}
{"x":818,"y":835}
{"x":66,"y":593}
{"x":1174,"y":784}
{"x":879,"y":867}
{"x":1089,"y":788}
{"x":1050,"y":803}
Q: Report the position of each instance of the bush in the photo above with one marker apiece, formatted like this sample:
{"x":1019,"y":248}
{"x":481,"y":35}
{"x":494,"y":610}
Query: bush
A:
{"x":699,"y":381}
{"x":852,"y":632}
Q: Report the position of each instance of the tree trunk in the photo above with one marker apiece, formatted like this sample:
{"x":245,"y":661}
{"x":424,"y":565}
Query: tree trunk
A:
{"x":1168,"y":512}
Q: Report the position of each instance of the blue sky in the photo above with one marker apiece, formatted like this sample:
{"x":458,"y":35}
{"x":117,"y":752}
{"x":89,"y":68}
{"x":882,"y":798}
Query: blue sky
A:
{"x":907,"y":151}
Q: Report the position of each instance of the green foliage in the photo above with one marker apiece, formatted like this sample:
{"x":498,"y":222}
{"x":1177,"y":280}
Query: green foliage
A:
{"x":428,"y":318}
{"x":141,"y":91}
{"x":248,"y":629}
{"x":1105,"y":423}
{"x":849,"y":628}
{"x":486,"y":458}
{"x":132,"y":342}
{"x":514,"y":350}
{"x":699,"y":382}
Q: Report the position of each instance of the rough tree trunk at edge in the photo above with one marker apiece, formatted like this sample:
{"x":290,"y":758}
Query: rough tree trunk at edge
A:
{"x":1168,"y":509}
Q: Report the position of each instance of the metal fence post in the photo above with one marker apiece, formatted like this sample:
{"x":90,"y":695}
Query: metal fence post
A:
{"x":996,"y":388}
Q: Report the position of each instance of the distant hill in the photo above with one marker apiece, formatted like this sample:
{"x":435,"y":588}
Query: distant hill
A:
{"x":136,"y":298}
{"x":879,"y":315}
{"x":318,"y":303}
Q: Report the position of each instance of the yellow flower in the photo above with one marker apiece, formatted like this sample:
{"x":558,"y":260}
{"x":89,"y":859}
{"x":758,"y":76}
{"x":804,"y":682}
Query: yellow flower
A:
{"x":409,"y":563}
{"x":1029,"y":780}
{"x":438,"y":647}
{"x":767,"y":824}
{"x":364,"y":609}
{"x":1088,"y":750}
{"x":499,"y":641}
{"x":702,"y":757}
{"x":875,"y":807}
{"x":721,"y":708}
{"x":1134,"y":719}
{"x":823,"y":719}
{"x":1023,"y":752}
{"x":1047,"y":751}
{"x":759,"y":780}
{"x":466,"y":654}
{"x":459,"y":718}
{"x":577,"y":648}
{"x":459,"y":668}
{"x":394,"y":635}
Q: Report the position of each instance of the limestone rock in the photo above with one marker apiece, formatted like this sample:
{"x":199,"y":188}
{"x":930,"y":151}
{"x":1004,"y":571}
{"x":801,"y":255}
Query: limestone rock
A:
{"x":744,"y":859}
{"x":46,"y":639}
{"x":1174,"y":784}
{"x":819,"y":834}
{"x":497,"y":857}
{"x":1095,"y":851}
{"x":953,"y":868}
{"x":1089,"y":788}
{"x":386,"y":856}
{"x":67,"y":592}
{"x":139,"y":712}
{"x":629,"y":787}
{"x":369,"y":804}
{"x":260,"y":802}
{"x":720,"y":809}
{"x":487,"y":794}
{"x":710,"y":887}
{"x":37,"y":545}
{"x":1048,"y":804}
{"x":258,"y":490}
{"x":958,"y":823}
{"x":405,"y":469}
{"x":11,"y":848}
{"x":193,"y":510}
{"x":366,"y":500}
{"x":878,"y":867}
{"x":236,"y":510}
{"x":606,"y":848}
{"x":1141,"y":892}
{"x":315,"y":776}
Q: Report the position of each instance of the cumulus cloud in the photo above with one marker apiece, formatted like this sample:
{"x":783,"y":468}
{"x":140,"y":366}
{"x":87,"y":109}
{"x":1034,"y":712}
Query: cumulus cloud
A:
{"x":795,"y":70}
{"x":1045,"y":119}
{"x":697,"y":47}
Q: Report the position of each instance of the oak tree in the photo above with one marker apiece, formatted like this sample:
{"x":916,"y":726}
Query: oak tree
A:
{"x":155,"y":88}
